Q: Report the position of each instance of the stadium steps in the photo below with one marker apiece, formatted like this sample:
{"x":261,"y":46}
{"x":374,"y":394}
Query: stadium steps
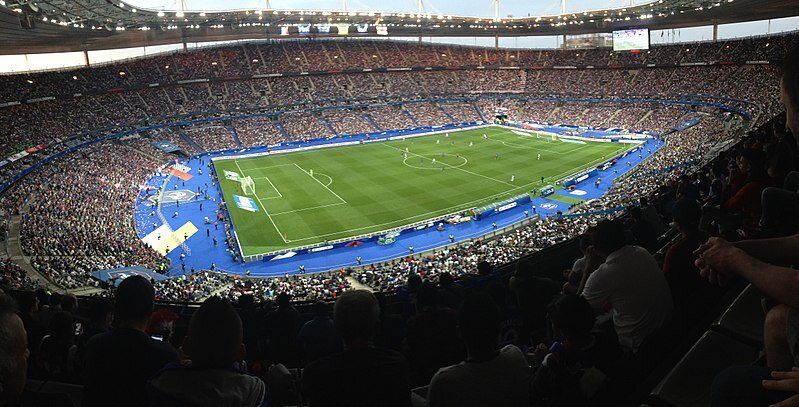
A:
{"x":15,"y":253}
{"x":644,"y":117}
{"x":328,"y":125}
{"x":280,"y":128}
{"x":192,"y":143}
{"x":410,"y":116}
{"x":479,"y":112}
{"x":446,"y":113}
{"x":372,"y":122}
{"x":357,"y":285}
{"x":235,"y":135}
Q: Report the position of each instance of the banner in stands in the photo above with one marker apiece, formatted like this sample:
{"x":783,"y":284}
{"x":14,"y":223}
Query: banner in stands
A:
{"x":165,"y":146}
{"x":22,"y":154}
{"x":243,"y":202}
{"x":304,"y":29}
{"x":343,"y":29}
{"x":115,"y":276}
{"x":323,"y":28}
{"x":382,"y":30}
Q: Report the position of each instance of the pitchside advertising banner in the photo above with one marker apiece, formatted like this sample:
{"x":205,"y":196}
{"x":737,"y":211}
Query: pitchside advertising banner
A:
{"x":243,"y":202}
{"x":233,"y":176}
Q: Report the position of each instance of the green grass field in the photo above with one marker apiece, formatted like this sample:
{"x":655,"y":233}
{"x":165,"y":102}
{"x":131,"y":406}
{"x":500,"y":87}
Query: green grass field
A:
{"x":362,"y":189}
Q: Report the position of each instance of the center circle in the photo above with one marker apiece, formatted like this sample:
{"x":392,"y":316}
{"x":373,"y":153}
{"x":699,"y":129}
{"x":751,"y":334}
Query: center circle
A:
{"x":449,"y":161}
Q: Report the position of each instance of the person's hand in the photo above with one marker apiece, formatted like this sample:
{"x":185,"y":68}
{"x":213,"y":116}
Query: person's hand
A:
{"x":717,"y":260}
{"x":785,"y":381}
{"x":538,"y":355}
{"x":593,"y":260}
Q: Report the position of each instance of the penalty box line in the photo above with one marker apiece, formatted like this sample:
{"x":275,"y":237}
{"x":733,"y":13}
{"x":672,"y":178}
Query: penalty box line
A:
{"x":343,"y":201}
{"x":279,"y":195}
{"x":264,"y":208}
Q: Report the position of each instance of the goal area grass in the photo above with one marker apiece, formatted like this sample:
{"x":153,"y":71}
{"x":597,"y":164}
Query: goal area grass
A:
{"x":327,"y":194}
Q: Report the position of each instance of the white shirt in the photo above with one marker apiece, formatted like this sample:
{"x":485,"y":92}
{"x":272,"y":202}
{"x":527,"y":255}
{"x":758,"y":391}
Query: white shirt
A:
{"x":499,"y":382}
{"x":631,"y":282}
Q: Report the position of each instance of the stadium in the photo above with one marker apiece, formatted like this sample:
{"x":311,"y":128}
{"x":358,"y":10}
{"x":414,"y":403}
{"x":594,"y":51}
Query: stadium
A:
{"x":570,"y":204}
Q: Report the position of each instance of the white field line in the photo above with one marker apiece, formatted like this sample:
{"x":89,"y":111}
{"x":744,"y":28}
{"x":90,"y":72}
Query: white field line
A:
{"x":273,"y":186}
{"x":453,"y":167}
{"x":307,"y":209}
{"x":264,"y":208}
{"x":320,"y":183}
{"x":266,"y":168}
{"x":456,"y":208}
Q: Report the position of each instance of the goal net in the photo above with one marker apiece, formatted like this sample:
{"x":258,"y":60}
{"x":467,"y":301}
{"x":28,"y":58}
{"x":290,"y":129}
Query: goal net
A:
{"x":247,"y":185}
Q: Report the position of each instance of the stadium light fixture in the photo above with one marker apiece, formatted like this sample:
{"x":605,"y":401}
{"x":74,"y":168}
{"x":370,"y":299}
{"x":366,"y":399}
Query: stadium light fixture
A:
{"x":161,"y":14}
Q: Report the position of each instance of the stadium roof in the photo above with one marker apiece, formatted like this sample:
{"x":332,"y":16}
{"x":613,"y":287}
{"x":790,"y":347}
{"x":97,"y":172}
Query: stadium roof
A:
{"x":28,"y":26}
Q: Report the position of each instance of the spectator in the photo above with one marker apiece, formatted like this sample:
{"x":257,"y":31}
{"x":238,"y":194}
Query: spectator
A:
{"x":759,"y":261}
{"x":432,"y":338}
{"x":318,"y":337}
{"x":69,"y":303}
{"x":119,"y":362}
{"x":691,"y":293}
{"x":488,"y":377}
{"x":283,"y":324}
{"x":57,"y":352}
{"x":101,"y":315}
{"x":532,"y":292}
{"x":214,"y":345}
{"x":28,"y":307}
{"x":780,"y":205}
{"x":628,"y":280}
{"x":13,"y":352}
{"x":645,"y":233}
{"x":574,"y":275}
{"x":162,"y":325}
{"x":580,"y":365}
{"x":362,"y":375}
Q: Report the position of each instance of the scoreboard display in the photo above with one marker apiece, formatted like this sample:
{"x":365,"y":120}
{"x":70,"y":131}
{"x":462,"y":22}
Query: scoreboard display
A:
{"x":632,"y":39}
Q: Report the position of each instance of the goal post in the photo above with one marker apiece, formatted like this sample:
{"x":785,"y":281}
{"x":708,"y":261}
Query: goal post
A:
{"x":247,"y":185}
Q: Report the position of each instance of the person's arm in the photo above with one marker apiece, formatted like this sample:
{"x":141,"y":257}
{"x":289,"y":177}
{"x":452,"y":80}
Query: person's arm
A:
{"x":777,"y":282}
{"x":596,"y":292}
{"x":591,"y":264}
{"x":736,"y":202}
{"x":781,"y":250}
{"x":720,"y":260}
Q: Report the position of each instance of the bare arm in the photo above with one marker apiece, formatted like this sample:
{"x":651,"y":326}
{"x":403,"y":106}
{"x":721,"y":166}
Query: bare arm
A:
{"x":780,"y":250}
{"x":777,"y":282}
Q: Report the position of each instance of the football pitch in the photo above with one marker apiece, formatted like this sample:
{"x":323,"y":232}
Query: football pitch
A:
{"x":312,"y":196}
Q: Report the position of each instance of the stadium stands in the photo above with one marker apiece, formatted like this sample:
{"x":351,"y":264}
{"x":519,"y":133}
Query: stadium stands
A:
{"x":74,"y":211}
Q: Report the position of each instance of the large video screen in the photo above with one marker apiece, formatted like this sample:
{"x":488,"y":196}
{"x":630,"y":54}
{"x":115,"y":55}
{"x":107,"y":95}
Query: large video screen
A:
{"x":626,"y":40}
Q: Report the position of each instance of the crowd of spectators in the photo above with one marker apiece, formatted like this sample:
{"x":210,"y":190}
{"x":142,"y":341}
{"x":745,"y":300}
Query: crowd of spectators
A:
{"x":53,"y":229}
